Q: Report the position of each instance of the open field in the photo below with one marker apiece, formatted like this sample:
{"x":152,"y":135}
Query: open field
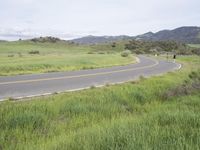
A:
{"x":157,"y":113}
{"x":195,"y":45}
{"x":15,"y":57}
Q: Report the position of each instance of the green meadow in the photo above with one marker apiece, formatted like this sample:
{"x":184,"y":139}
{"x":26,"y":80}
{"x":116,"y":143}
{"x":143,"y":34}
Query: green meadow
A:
{"x":160,"y":112}
{"x":27,"y":57}
{"x":194,"y":45}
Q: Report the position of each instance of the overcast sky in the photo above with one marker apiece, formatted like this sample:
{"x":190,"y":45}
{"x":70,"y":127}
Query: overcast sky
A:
{"x":74,"y":18}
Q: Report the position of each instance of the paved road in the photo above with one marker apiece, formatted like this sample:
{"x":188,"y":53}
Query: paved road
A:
{"x":44,"y":84}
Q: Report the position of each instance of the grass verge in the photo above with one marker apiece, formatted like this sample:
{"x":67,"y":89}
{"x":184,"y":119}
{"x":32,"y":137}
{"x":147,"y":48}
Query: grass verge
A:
{"x":135,"y":115}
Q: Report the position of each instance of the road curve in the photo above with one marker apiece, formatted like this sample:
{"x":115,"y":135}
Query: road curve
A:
{"x":23,"y":86}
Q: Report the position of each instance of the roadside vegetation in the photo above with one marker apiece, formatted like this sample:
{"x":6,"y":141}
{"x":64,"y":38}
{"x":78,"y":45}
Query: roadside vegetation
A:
{"x":194,"y":45}
{"x":49,"y":54}
{"x":160,"y":47}
{"x":52,"y":55}
{"x":195,"y":48}
{"x":161,"y":112}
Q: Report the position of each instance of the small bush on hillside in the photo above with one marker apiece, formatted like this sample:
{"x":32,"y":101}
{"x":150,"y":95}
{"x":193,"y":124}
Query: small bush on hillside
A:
{"x":46,"y":39}
{"x":142,"y":78}
{"x":113,"y":45}
{"x":11,"y":99}
{"x":186,"y":88}
{"x":87,"y":67}
{"x":125,"y":53}
{"x":101,"y":52}
{"x":151,"y":47}
{"x":11,"y":55}
{"x":91,"y":53}
{"x":92,"y":87}
{"x":20,"y":54}
{"x":34,"y":52}
{"x":196,"y":51}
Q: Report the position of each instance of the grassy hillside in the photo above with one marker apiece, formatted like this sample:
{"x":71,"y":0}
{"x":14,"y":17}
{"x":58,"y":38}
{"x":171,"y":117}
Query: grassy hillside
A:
{"x":194,"y":45}
{"x":198,"y":36}
{"x":24,"y":57}
{"x":185,"y":34}
{"x":127,"y":116}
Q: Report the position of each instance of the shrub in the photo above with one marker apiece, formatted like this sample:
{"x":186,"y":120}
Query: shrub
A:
{"x":125,"y":53}
{"x":142,"y":78}
{"x":90,"y":52}
{"x":113,"y":45}
{"x":87,"y":67}
{"x":11,"y":55}
{"x":177,"y":91}
{"x":138,"y":47}
{"x":196,"y":51}
{"x":195,"y":75}
{"x":20,"y":54}
{"x":11,"y":99}
{"x":101,"y":52}
{"x":34,"y":52}
{"x":186,"y":88}
{"x":92,"y":87}
{"x":46,"y":39}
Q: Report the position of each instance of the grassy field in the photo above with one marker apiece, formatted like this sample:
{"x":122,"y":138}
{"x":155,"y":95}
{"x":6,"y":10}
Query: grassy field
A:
{"x":15,"y":57}
{"x":158,"y":113}
{"x":195,"y":45}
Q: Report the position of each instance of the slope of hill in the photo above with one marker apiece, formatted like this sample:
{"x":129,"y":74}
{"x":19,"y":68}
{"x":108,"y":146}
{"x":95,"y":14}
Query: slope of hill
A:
{"x":182,"y":34}
{"x":2,"y":41}
{"x":46,"y":39}
{"x":45,"y":54}
{"x":99,"y":39}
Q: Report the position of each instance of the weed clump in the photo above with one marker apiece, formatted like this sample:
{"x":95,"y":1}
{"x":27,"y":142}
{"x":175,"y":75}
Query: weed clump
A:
{"x":134,"y":82}
{"x":195,"y":75}
{"x":125,"y":53}
{"x":46,"y":39}
{"x":11,"y":55}
{"x":91,"y":53}
{"x":108,"y":84}
{"x":20,"y":54}
{"x":92,"y":87}
{"x":34,"y":52}
{"x":188,"y":87}
{"x":142,"y":78}
{"x":101,"y":52}
{"x":11,"y":99}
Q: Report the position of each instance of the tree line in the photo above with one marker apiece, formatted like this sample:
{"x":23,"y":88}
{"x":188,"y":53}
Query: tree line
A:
{"x":157,"y":47}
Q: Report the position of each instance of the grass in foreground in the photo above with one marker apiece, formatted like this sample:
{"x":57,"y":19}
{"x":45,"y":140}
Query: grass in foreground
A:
{"x":16,"y":57}
{"x":143,"y":114}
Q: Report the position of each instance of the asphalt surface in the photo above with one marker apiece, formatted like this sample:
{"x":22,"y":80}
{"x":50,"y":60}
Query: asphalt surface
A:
{"x":23,"y":86}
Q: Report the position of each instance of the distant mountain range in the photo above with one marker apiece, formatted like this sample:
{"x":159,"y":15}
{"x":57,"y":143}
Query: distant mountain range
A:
{"x":182,"y":34}
{"x":188,"y":34}
{"x":100,"y":39}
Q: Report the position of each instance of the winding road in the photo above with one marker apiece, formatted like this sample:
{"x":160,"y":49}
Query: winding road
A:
{"x":24,"y":86}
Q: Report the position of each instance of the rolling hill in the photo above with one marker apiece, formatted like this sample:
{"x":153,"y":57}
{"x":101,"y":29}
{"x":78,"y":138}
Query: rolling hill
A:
{"x":100,"y":39}
{"x":187,"y":34}
{"x":182,"y":34}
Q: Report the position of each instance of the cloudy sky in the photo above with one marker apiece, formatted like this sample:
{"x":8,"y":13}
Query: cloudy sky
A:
{"x":74,"y":18}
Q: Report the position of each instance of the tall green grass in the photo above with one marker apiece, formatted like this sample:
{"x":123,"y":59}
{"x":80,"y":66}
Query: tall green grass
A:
{"x":16,"y":57}
{"x":133,"y":115}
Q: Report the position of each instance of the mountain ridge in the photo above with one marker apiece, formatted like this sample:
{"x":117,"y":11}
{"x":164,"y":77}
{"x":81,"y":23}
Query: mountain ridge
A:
{"x":185,"y":34}
{"x":90,"y":39}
